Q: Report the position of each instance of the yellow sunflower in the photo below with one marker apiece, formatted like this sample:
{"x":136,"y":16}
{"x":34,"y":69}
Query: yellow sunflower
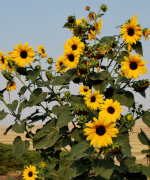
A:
{"x":131,"y":32}
{"x":110,"y":110}
{"x":84,"y":90}
{"x":11,"y":86}
{"x":42,"y":51}
{"x":93,"y":100}
{"x":98,"y":26}
{"x":100,"y":132}
{"x":147,"y":32}
{"x":30,"y":173}
{"x":133,"y":66}
{"x":3,"y":61}
{"x":91,"y":35}
{"x":60,"y":63}
{"x":71,"y":58}
{"x":75,"y":44}
{"x":23,"y":54}
{"x":78,"y":21}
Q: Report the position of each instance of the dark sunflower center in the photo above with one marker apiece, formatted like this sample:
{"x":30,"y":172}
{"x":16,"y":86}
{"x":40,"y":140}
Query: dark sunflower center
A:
{"x":133,"y":65}
{"x":111,"y":110}
{"x":85,"y":90}
{"x":93,"y":99}
{"x":71,"y":57}
{"x":23,"y":54}
{"x":100,"y":130}
{"x":61,"y":64}
{"x":74,"y":47}
{"x":130,"y":31}
{"x":43,"y":51}
{"x":2,"y":59}
{"x":30,"y":174}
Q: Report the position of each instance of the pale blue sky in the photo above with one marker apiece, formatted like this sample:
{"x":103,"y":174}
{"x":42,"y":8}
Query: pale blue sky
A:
{"x":41,"y":22}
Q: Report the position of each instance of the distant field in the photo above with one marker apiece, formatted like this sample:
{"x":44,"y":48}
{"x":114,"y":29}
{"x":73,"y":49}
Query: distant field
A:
{"x":135,"y":143}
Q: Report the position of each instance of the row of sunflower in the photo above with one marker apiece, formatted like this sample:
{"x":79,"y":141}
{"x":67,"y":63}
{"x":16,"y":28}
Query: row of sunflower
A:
{"x":82,"y":134}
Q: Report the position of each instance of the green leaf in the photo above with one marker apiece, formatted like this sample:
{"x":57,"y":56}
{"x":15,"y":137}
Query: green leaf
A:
{"x":126,"y":98}
{"x":64,"y":118}
{"x":19,"y":146}
{"x":23,"y":90}
{"x":129,"y":164}
{"x":146,"y":170}
{"x":104,"y":167}
{"x":13,"y":106}
{"x":123,"y":139}
{"x":56,"y":109}
{"x":120,"y":58}
{"x":146,"y":118}
{"x":76,"y":100}
{"x":80,"y":150}
{"x":22,"y":106}
{"x":76,"y":134}
{"x":18,"y":128}
{"x":107,"y":39}
{"x":3,"y":114}
{"x":138,"y":48}
{"x":36,"y":97}
{"x":33,"y":74}
{"x":143,"y":138}
{"x":46,"y":136}
{"x":65,"y":172}
{"x":65,"y":78}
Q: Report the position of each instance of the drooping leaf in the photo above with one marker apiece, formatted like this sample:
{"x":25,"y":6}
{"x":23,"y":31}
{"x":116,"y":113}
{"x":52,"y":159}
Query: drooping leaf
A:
{"x":19,"y":146}
{"x":18,"y":128}
{"x":33,"y":74}
{"x":104,"y":167}
{"x":146,"y":118}
{"x":138,"y":48}
{"x":143,"y":138}
{"x":13,"y":106}
{"x":3,"y":114}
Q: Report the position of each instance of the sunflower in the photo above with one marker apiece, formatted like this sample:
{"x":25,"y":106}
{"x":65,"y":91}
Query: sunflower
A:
{"x":23,"y":54}
{"x":93,"y":100}
{"x":133,"y":66}
{"x":30,"y":173}
{"x":71,"y":58}
{"x":41,"y":50}
{"x":131,"y":32}
{"x":98,"y":26}
{"x":91,"y":35}
{"x":84,"y":90}
{"x":60,"y":64}
{"x":11,"y":86}
{"x":3,"y":61}
{"x":100,"y":132}
{"x":75,"y":44}
{"x":110,"y":110}
{"x":78,"y":21}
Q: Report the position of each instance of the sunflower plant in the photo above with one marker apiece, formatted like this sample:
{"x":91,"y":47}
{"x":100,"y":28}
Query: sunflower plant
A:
{"x":84,"y":134}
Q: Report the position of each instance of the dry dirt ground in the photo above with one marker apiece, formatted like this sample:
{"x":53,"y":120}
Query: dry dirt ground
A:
{"x":134,"y":142}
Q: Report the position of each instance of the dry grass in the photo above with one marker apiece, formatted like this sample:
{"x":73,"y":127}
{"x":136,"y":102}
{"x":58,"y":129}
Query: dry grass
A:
{"x":135,"y":143}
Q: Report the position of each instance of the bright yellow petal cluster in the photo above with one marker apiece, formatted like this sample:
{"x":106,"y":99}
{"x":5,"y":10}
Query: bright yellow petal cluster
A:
{"x":11,"y":86}
{"x":147,"y":32}
{"x":30,"y":173}
{"x":75,"y":44}
{"x":84,"y":90}
{"x":3,"y":61}
{"x":110,"y":110}
{"x":94,"y":100}
{"x":100,"y":132}
{"x":60,"y":64}
{"x":131,"y":32}
{"x":133,"y":66}
{"x":78,"y":21}
{"x":42,"y":51}
{"x":23,"y":54}
{"x":71,"y":58}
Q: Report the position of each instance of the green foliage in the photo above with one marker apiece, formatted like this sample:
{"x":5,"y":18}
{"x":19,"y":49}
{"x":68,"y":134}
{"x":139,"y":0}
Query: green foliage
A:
{"x":10,"y":163}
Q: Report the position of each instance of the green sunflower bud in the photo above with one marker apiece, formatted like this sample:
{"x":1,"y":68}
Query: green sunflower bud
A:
{"x":7,"y":75}
{"x":141,"y":85}
{"x":67,"y":94}
{"x":129,"y":117}
{"x":82,"y":119}
{"x":49,"y":75}
{"x":50,"y":60}
{"x":38,"y":67}
{"x":103,"y":7}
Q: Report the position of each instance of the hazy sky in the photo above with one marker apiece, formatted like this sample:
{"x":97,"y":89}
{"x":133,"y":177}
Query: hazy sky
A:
{"x":41,"y":22}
